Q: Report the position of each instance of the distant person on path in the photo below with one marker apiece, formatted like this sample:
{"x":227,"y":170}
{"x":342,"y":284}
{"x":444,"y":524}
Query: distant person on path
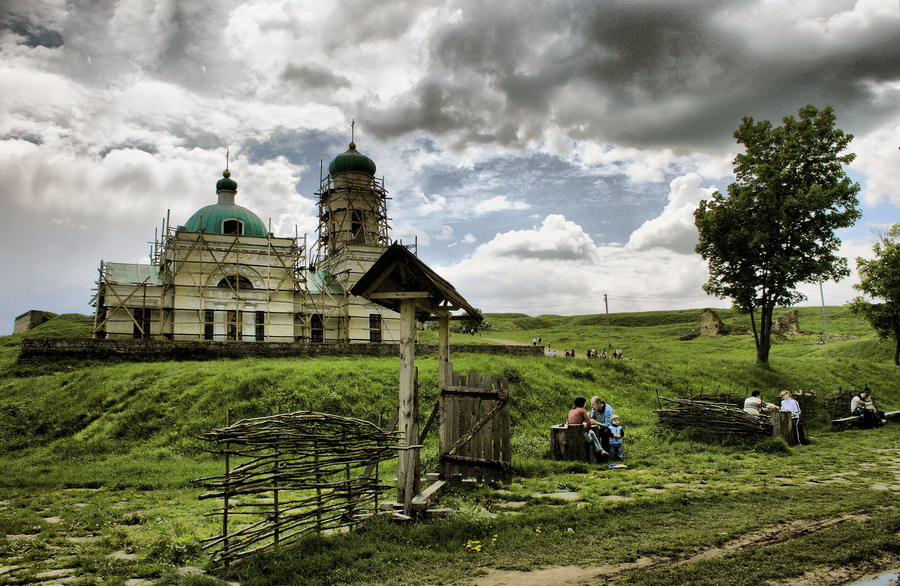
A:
{"x":616,"y":433}
{"x":601,"y":419}
{"x":789,"y":403}
{"x":755,"y":405}
{"x":578,"y":415}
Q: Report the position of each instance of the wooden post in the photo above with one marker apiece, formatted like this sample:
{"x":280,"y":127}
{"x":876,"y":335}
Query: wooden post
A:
{"x":225,"y":498}
{"x":782,"y":426}
{"x":408,"y":461}
{"x":276,"y":521}
{"x":443,"y":350}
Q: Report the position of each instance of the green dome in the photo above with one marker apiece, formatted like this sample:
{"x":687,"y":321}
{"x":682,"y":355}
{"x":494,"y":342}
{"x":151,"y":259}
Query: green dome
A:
{"x":211,"y":219}
{"x":226,"y":183}
{"x":352,"y":160}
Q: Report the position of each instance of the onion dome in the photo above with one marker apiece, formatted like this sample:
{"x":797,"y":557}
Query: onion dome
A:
{"x":226,"y":217}
{"x":352,"y":161}
{"x":226,"y":183}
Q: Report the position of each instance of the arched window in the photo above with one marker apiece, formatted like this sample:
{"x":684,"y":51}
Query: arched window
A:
{"x":235,"y":282}
{"x":233,"y":226}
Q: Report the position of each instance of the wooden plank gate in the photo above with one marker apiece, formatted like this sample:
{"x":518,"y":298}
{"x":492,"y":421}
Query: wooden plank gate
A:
{"x":474,"y":429}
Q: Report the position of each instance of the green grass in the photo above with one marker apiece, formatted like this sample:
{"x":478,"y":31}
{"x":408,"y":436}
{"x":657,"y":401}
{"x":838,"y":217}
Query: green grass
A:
{"x":110,"y":449}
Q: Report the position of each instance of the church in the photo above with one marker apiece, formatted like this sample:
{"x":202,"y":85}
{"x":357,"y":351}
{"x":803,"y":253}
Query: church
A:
{"x":223,"y":276}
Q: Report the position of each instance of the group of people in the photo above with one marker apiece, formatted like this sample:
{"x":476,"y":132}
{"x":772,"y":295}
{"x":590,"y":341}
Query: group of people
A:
{"x":602,"y":428}
{"x":755,"y":405}
{"x":615,"y":354}
{"x":863,"y":405}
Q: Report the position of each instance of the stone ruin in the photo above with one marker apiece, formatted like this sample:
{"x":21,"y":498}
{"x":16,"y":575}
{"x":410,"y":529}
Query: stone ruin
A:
{"x":788,"y":323}
{"x":711,"y":324}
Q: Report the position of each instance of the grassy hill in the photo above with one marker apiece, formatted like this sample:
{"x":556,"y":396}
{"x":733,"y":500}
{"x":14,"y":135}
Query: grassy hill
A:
{"x":128,"y":431}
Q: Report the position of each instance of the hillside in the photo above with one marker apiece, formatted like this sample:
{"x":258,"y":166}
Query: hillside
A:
{"x":131,"y":429}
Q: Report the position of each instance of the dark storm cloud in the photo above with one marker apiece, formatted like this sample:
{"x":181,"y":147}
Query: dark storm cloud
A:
{"x":33,"y":34}
{"x":643,"y":74}
{"x":313,"y":77}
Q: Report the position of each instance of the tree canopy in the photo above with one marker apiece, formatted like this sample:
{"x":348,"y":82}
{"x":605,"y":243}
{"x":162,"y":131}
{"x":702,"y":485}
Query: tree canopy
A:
{"x":775,"y":227}
{"x":880,"y":279}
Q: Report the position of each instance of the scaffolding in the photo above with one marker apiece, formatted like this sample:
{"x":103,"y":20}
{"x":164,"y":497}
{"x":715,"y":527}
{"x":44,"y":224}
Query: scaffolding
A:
{"x":192,"y":272}
{"x":352,"y":216}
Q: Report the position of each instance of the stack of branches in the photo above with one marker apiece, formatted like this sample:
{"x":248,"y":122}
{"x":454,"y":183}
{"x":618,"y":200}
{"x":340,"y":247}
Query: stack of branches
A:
{"x":726,"y":397}
{"x":294,"y":472}
{"x":714,"y":417}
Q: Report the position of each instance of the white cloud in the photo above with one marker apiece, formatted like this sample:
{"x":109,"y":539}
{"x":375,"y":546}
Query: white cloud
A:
{"x":878,"y":158}
{"x":431,"y":204}
{"x":556,"y":268}
{"x":674,"y":228}
{"x":499,"y":203}
{"x":469,"y":239}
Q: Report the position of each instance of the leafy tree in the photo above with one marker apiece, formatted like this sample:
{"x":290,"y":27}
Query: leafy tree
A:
{"x":776,"y":226}
{"x":880,"y":278}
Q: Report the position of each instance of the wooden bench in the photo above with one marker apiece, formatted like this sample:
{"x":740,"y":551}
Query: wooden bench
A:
{"x":567,"y":443}
{"x":855,"y":420}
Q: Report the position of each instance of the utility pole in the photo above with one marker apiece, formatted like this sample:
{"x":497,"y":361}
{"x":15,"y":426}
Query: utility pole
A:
{"x":608,"y":338}
{"x":824,"y":320}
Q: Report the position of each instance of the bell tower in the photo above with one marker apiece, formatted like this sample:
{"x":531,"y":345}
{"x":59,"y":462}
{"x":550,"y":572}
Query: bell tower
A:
{"x":352,"y":205}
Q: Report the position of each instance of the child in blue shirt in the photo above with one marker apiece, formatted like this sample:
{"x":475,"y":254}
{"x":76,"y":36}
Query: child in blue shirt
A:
{"x":616,"y":433}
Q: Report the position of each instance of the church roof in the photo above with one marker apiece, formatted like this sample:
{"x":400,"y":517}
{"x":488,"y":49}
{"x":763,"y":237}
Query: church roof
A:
{"x":210,"y":219}
{"x":352,"y":160}
{"x":133,"y":274}
{"x":398,"y":274}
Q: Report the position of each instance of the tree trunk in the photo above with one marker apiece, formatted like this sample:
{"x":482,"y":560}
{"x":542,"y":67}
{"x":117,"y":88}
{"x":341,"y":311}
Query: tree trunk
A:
{"x":765,"y":335}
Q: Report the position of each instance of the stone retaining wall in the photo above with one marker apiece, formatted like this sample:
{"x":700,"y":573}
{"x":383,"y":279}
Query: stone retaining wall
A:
{"x":53,"y":349}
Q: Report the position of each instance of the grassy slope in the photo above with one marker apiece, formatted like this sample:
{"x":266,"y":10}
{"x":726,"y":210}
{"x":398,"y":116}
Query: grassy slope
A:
{"x":133,"y":426}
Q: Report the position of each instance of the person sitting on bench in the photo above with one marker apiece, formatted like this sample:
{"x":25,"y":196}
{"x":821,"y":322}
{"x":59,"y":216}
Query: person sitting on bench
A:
{"x":861,"y":404}
{"x":579,"y":416}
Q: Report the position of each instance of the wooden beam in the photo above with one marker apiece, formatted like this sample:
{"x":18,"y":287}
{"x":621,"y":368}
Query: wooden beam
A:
{"x":408,"y":464}
{"x":401,"y":295}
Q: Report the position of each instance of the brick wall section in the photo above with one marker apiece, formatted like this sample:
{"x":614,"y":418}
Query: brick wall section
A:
{"x":52,"y":349}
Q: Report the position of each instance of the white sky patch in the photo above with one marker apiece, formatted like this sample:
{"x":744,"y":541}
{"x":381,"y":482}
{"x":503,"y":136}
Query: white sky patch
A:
{"x":556,"y":268}
{"x":431,"y":205}
{"x":469,"y":239}
{"x":674,"y":228}
{"x":499,"y":203}
{"x":878,"y":158}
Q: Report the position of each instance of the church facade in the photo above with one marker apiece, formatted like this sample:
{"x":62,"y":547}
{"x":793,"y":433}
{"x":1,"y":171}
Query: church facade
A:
{"x":223,"y":276}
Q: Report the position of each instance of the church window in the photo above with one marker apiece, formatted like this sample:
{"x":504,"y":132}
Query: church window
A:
{"x":233,"y":226}
{"x":316,"y":329}
{"x":260,"y":326}
{"x":356,"y":224}
{"x":209,"y":324}
{"x":375,"y":328}
{"x":235,"y":282}
{"x":141,"y":329}
{"x":234,"y":325}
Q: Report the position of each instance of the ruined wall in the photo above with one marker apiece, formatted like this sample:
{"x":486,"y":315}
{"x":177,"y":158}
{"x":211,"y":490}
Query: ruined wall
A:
{"x":711,"y":324}
{"x":788,"y":323}
{"x":46,"y":349}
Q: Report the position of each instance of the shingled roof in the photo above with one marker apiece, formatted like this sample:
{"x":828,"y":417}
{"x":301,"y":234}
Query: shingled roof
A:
{"x":399,"y":274}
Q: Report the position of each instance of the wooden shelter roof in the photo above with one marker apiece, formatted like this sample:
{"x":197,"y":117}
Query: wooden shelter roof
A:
{"x":399,"y":274}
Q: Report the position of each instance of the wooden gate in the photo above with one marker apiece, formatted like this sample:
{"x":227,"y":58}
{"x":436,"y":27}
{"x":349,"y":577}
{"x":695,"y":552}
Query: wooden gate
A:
{"x":474,"y":431}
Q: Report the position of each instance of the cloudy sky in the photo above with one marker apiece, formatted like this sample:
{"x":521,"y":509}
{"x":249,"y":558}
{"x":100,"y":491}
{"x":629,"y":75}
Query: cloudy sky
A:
{"x":543,"y":153}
